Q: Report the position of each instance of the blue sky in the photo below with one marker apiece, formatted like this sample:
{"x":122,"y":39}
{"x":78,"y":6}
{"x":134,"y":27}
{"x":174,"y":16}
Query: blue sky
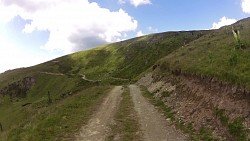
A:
{"x":35,"y":31}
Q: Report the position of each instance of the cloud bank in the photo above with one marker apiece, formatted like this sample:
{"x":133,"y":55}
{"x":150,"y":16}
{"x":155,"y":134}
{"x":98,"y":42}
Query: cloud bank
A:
{"x":13,"y":57}
{"x":139,"y":33}
{"x":73,"y":24}
{"x":136,"y":3}
{"x":246,"y":6}
{"x":223,"y":22}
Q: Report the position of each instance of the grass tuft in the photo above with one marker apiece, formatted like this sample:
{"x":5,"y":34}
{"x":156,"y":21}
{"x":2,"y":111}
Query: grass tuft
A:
{"x":126,"y":126}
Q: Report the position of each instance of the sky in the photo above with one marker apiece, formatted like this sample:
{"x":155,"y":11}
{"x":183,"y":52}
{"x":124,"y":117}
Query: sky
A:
{"x":35,"y":31}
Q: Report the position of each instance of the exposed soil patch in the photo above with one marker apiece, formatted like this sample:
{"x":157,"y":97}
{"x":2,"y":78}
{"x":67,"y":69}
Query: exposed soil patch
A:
{"x":203,"y":103}
{"x":19,"y":88}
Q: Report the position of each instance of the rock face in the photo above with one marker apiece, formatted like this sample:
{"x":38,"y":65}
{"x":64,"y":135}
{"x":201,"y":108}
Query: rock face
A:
{"x":19,"y":88}
{"x":203,"y":103}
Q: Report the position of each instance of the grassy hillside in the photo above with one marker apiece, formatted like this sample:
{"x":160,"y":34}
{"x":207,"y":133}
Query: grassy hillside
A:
{"x":125,"y":59}
{"x":40,"y":116}
{"x":61,"y":101}
{"x":216,"y":54}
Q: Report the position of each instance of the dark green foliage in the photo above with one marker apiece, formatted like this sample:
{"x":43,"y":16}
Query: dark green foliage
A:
{"x":65,"y":64}
{"x":237,"y":129}
{"x":205,"y":135}
{"x":221,"y":114}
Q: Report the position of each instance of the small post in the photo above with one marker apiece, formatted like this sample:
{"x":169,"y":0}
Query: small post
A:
{"x":1,"y":127}
{"x":49,"y":99}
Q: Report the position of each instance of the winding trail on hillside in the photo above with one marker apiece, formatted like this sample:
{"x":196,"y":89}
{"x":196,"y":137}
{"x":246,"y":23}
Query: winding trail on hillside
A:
{"x":51,"y":73}
{"x":98,"y":127}
{"x":84,"y":78}
{"x":153,"y":125}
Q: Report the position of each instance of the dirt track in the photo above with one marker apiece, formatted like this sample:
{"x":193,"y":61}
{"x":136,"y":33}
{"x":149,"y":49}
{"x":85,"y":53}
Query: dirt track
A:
{"x":97,"y":128}
{"x":153,"y":125}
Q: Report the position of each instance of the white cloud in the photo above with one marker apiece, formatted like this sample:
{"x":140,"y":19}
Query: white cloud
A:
{"x":135,"y":3}
{"x":246,"y":6}
{"x":121,"y":1}
{"x":139,"y":33}
{"x":152,"y":30}
{"x":223,"y":22}
{"x":12,"y":57}
{"x":73,"y":24}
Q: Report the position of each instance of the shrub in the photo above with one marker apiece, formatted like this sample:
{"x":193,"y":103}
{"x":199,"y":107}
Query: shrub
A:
{"x":239,"y":44}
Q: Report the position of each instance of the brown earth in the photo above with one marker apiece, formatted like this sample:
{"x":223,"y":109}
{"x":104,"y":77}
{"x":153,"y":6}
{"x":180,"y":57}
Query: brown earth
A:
{"x":98,"y":127}
{"x":195,"y":101}
{"x":153,"y":125}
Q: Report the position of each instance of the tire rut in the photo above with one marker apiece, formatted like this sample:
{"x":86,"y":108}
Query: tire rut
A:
{"x":153,"y":125}
{"x":98,"y":128}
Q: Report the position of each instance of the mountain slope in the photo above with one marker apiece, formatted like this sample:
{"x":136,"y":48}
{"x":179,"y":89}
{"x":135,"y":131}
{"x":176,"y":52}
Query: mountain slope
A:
{"x":32,"y":98}
{"x":214,"y":55}
{"x":204,"y":86}
{"x":59,"y":82}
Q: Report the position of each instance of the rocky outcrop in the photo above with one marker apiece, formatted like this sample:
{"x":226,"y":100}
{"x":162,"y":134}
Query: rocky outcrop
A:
{"x":19,"y":88}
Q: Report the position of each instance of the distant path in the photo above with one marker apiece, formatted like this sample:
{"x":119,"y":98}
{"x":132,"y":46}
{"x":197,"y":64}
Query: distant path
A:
{"x":97,"y":128}
{"x":153,"y":125}
{"x":84,"y":78}
{"x":124,"y":79}
{"x":51,"y":73}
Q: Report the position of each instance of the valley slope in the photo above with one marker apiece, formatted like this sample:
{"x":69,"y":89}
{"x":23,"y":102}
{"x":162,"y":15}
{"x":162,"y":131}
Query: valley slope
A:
{"x":52,"y":100}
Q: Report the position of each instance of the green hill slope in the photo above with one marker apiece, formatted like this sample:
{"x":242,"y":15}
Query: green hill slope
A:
{"x":33,"y":100}
{"x":216,"y":55}
{"x":51,"y":99}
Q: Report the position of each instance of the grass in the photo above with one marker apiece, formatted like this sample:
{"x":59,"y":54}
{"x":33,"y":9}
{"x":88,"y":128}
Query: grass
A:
{"x":69,"y":95}
{"x":58,"y":121}
{"x":120,"y":60}
{"x":126,"y":59}
{"x":235,"y":126}
{"x":126,"y":126}
{"x":221,"y":114}
{"x":215,"y":55}
{"x":237,"y":129}
{"x":196,"y":52}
